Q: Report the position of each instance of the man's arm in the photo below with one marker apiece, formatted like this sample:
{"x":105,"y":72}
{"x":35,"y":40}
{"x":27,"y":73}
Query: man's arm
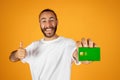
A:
{"x":17,"y":55}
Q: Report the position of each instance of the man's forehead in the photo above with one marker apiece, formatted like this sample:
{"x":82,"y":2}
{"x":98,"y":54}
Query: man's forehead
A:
{"x":47,"y":14}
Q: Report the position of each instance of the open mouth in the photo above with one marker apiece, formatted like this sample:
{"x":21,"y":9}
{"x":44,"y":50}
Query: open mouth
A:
{"x":48,"y":30}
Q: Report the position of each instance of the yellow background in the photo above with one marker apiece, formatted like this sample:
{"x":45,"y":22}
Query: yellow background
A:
{"x":95,"y":19}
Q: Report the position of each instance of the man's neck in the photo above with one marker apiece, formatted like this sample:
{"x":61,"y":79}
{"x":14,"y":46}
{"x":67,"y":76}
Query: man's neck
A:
{"x":52,"y":38}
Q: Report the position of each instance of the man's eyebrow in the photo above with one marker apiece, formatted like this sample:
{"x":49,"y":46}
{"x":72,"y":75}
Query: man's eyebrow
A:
{"x":52,"y":17}
{"x":49,"y":18}
{"x":42,"y":18}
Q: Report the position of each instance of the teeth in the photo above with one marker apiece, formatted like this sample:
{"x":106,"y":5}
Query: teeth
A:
{"x":48,"y":29}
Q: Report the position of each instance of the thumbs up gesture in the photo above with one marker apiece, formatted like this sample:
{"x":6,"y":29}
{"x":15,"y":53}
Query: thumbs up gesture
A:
{"x":21,"y":52}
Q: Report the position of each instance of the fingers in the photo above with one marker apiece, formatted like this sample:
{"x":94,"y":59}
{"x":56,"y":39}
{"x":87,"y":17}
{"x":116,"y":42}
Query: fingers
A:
{"x":78,"y":44}
{"x":21,"y":52}
{"x":90,"y":43}
{"x":86,"y":43}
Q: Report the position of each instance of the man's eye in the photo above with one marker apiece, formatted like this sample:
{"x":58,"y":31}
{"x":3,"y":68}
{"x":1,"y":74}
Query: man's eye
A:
{"x":43,"y":21}
{"x":52,"y":20}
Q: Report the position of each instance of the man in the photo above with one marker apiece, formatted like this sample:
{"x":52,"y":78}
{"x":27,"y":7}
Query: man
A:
{"x":50,"y":58}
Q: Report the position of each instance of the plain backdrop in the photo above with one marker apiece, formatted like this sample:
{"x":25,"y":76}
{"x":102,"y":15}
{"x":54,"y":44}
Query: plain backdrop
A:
{"x":95,"y":19}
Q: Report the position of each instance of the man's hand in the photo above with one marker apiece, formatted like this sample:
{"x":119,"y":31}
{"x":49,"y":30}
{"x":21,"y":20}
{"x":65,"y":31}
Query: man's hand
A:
{"x":18,"y":54}
{"x":83,"y":43}
{"x":21,"y":52}
{"x":86,"y":43}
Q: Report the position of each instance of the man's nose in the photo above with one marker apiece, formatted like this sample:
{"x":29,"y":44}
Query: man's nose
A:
{"x":48,"y":24}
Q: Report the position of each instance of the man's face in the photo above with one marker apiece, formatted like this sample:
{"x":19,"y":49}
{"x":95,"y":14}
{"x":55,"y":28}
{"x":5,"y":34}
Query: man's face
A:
{"x":48,"y":23}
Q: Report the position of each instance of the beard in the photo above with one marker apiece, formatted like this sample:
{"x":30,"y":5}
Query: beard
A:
{"x":49,"y":35}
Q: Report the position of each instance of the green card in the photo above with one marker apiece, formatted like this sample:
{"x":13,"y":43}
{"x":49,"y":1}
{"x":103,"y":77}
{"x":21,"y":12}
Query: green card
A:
{"x":89,"y":54}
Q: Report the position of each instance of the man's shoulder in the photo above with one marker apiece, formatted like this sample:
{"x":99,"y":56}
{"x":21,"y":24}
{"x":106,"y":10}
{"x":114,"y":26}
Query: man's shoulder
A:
{"x":36,"y":42}
{"x":69,"y":40}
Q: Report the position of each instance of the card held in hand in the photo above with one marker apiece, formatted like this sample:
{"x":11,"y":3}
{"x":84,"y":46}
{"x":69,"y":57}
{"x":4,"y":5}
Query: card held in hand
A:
{"x":88,"y":54}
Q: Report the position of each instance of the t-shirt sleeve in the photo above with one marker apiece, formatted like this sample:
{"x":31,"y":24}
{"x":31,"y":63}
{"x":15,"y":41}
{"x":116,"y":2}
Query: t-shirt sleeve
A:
{"x":71,"y":49}
{"x":29,"y":50}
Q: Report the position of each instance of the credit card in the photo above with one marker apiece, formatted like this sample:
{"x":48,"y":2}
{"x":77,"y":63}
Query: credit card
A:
{"x":88,"y":54}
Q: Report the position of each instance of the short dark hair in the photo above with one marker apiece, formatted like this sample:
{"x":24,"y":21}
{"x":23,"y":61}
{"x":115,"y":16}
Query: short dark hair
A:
{"x":47,"y":10}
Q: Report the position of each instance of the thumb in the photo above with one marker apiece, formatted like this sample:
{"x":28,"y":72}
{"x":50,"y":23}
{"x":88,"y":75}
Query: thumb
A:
{"x":21,"y":44}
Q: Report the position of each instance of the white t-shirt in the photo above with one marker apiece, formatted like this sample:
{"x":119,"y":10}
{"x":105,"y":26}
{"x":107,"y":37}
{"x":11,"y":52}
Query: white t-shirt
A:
{"x":50,"y":60}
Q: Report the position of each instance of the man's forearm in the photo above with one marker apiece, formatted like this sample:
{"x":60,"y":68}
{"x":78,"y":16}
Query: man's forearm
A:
{"x":12,"y":56}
